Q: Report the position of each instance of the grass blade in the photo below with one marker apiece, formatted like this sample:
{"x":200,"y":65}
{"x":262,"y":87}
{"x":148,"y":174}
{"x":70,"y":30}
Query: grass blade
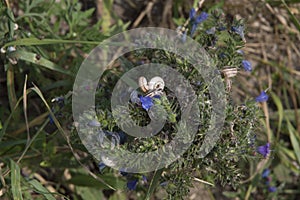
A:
{"x":294,"y":140}
{"x":154,"y":183}
{"x":15,"y":181}
{"x":41,"y":189}
{"x":34,"y":58}
{"x":279,"y":106}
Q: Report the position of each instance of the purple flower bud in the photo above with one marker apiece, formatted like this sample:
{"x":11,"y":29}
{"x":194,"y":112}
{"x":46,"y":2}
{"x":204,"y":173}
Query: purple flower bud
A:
{"x":263,"y":97}
{"x":264,"y":150}
{"x":265,"y":173}
{"x":272,"y":189}
{"x":202,"y":17}
{"x":131,"y":185}
{"x":247,"y":65}
{"x":239,"y":30}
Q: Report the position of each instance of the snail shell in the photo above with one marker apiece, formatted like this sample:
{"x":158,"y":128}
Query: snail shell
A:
{"x":156,"y":83}
{"x":143,"y":84}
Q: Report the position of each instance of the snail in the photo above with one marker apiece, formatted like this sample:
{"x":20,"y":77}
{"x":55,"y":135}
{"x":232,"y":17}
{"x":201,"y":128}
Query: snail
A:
{"x":154,"y":87}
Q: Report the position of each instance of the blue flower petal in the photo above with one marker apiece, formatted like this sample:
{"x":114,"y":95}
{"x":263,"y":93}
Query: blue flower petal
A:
{"x":131,"y":185}
{"x":264,"y":150}
{"x":239,"y":30}
{"x":194,"y":27}
{"x":247,"y":65}
{"x":147,"y":102}
{"x":263,"y":97}
{"x":272,"y":189}
{"x":202,"y":17}
{"x":192,"y":13}
{"x":265,"y":173}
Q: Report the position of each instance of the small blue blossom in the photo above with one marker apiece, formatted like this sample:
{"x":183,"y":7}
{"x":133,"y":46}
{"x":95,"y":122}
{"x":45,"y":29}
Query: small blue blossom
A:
{"x":192,"y":14}
{"x":201,"y":18}
{"x":263,"y":97}
{"x":247,"y":65}
{"x":239,"y":30}
{"x":264,"y":150}
{"x":147,"y":102}
{"x":272,"y":189}
{"x":131,"y":185}
{"x":195,"y":20}
{"x":265,"y":173}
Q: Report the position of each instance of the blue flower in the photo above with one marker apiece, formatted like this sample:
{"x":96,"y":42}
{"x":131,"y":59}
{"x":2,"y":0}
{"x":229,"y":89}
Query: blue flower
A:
{"x":239,"y":30}
{"x":147,"y":102}
{"x":265,"y":173}
{"x":131,"y":185}
{"x":272,"y":189}
{"x":247,"y":65}
{"x":196,"y":19}
{"x":192,"y":14}
{"x":263,"y":97}
{"x":264,"y":150}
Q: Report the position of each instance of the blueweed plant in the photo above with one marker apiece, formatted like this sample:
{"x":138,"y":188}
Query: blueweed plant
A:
{"x":223,"y":40}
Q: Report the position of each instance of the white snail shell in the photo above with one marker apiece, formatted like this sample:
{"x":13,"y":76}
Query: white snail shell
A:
{"x":156,"y":83}
{"x":143,"y":84}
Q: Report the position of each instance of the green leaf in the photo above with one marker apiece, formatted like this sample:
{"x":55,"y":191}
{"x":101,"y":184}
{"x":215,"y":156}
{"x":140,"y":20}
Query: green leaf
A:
{"x":36,"y":59}
{"x":278,"y":103}
{"x":15,"y":180}
{"x":154,"y":183}
{"x":41,"y":189}
{"x":294,"y":19}
{"x":89,"y":193}
{"x":118,"y":196}
{"x":294,"y":140}
{"x":36,"y":41}
{"x":88,"y":181}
